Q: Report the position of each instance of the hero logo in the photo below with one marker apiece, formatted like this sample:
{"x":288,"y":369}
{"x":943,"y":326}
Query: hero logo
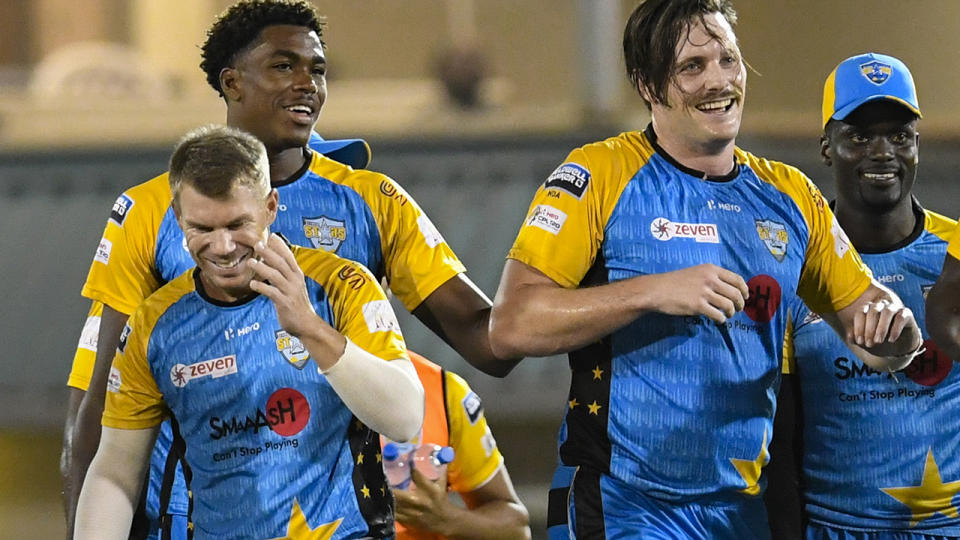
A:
{"x":547,"y":218}
{"x":181,"y":374}
{"x":286,"y":413}
{"x":663,"y":229}
{"x":231,"y":333}
{"x":571,"y":178}
{"x":841,"y":244}
{"x":430,"y":233}
{"x":120,"y":209}
{"x":103,"y":251}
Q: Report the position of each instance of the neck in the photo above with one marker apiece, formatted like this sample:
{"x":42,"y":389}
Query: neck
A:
{"x":715,"y":158}
{"x":286,"y":162}
{"x":877,"y":232}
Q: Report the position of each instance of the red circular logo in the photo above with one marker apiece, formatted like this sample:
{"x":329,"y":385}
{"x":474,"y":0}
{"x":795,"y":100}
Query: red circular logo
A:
{"x":764,"y":298}
{"x":931,"y":367}
{"x":287,"y":411}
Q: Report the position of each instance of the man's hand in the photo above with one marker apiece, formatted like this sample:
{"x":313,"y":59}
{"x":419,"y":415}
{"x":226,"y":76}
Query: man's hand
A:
{"x":426,"y":507}
{"x":282,"y":281}
{"x":880,"y":321}
{"x":705,"y":289}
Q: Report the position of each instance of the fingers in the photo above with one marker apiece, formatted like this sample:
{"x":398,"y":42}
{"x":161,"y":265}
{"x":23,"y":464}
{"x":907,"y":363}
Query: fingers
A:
{"x":735,"y":280}
{"x":880,"y":322}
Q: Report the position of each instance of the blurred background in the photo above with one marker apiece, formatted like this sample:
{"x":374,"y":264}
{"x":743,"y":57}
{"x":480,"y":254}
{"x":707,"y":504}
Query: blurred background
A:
{"x":469,"y":104}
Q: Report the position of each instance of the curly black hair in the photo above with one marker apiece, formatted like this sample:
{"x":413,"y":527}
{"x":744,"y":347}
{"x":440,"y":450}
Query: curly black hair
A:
{"x":238,"y":27}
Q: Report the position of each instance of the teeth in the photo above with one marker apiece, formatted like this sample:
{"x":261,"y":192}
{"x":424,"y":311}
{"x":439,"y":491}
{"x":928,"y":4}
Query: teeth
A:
{"x":715,"y":105}
{"x":879,"y":176}
{"x":227,"y":265}
{"x":300,"y":109}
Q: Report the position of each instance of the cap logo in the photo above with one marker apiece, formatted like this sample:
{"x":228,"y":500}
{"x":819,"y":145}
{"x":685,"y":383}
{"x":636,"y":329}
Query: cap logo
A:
{"x":876,"y":72}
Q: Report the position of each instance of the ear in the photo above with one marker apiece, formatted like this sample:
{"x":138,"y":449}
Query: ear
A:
{"x":645,"y":92}
{"x":230,"y":83}
{"x":826,"y":152}
{"x":273,"y":203}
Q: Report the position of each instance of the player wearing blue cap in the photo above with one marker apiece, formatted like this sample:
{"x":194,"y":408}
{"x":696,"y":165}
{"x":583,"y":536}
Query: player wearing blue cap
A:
{"x":266,"y":58}
{"x":664,"y":261}
{"x":943,"y":303}
{"x":875,"y":452}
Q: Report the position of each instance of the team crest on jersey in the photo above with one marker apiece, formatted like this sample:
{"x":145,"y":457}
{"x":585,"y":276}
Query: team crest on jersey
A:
{"x":876,"y":72}
{"x":774,"y":236}
{"x":292,"y":349}
{"x":121,"y":207}
{"x":571,"y":178}
{"x":325,"y":233}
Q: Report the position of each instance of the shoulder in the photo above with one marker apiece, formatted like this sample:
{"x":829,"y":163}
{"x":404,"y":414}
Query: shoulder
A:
{"x":938,"y":225}
{"x":330,"y":270}
{"x":148,"y":198}
{"x":771,"y":171}
{"x":149,"y":312}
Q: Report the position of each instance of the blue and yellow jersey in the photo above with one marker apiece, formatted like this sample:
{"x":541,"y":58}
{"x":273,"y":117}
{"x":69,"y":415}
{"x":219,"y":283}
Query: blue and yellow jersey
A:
{"x":271,"y":450}
{"x":954,"y":246}
{"x":358,"y":214}
{"x":678,"y":406}
{"x":880,"y":449}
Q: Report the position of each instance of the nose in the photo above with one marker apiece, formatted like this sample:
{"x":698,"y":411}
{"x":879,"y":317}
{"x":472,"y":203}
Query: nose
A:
{"x":880,"y":149}
{"x":715,"y":77}
{"x":222,"y":243}
{"x":306,"y":82}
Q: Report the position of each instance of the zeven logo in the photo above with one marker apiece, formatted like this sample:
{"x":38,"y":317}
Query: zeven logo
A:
{"x":663,"y":229}
{"x":181,"y":374}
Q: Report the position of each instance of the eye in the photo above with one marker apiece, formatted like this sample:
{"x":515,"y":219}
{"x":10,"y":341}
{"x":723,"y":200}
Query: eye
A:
{"x":282,"y":66}
{"x":901,"y":138}
{"x":858,"y":138}
{"x":688,"y":67}
{"x":320,"y":70}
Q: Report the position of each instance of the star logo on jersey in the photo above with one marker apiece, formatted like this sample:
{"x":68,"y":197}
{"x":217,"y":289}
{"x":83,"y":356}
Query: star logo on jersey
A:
{"x":876,"y":72}
{"x":299,"y":529}
{"x":292,"y":349}
{"x":325,"y":233}
{"x":774,"y":236}
{"x":931,"y":497}
{"x":749,"y":469}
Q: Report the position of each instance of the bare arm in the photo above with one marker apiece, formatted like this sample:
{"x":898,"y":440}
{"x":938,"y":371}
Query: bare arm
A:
{"x":459,"y":313}
{"x":493,"y":510}
{"x":112,"y":485}
{"x":943,"y":309}
{"x":535,"y":316}
{"x":878,"y":328}
{"x":66,"y":453}
{"x":86,"y":431}
{"x":783,"y":495}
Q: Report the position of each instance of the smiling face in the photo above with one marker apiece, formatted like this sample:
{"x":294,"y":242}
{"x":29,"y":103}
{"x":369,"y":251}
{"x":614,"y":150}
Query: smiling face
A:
{"x":278,"y":86}
{"x":705,"y":96}
{"x":221,"y":234}
{"x":874,"y":154}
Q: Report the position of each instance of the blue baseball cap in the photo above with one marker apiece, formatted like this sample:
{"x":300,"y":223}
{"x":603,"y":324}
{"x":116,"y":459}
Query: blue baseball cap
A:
{"x":867,"y":77}
{"x":352,"y":152}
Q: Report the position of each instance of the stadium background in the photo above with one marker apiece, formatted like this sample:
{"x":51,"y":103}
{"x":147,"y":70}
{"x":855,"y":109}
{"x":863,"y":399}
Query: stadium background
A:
{"x":94,"y":93}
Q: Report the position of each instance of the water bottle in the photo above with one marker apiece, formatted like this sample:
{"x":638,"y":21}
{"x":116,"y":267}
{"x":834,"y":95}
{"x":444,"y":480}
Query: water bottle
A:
{"x":396,"y":464}
{"x":431,"y":460}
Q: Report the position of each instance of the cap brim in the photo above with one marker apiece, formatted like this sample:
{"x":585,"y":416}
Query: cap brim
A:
{"x":845,"y":111}
{"x":352,"y":152}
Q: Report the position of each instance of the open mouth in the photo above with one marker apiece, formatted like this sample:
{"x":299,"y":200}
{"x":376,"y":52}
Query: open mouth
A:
{"x":228,"y":265}
{"x":301,"y":112}
{"x":881,"y":178}
{"x":717,"y":106}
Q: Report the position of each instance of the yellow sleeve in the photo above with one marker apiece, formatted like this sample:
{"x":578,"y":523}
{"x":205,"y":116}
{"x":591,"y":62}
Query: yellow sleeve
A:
{"x":833,"y":274}
{"x":133,"y":399}
{"x":563,"y":230}
{"x":122,"y":272}
{"x":86,"y":353}
{"x":476,"y":456}
{"x":417,"y":259}
{"x":360,"y":308}
{"x":953,"y":248}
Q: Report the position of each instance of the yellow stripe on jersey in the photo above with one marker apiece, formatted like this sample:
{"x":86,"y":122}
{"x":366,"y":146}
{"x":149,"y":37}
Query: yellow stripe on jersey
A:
{"x":954,"y":247}
{"x":833,"y":274}
{"x":552,"y":239}
{"x":416,"y":257}
{"x":133,"y":399}
{"x":86,"y":354}
{"x":360,"y":308}
{"x":938,"y":225}
{"x":477,"y":458}
{"x":789,"y":359}
{"x":121,"y":274}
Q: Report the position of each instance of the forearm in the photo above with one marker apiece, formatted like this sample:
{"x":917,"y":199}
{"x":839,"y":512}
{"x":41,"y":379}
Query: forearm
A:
{"x":66,"y":453}
{"x":943,"y":315}
{"x":495,"y":520}
{"x":543,"y":320}
{"x":385,"y":395}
